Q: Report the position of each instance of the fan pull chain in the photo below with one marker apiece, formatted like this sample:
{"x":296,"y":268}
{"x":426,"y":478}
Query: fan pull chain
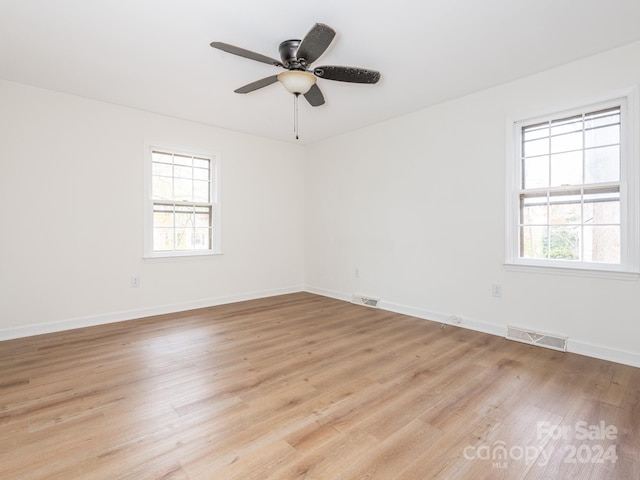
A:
{"x":295,"y":114}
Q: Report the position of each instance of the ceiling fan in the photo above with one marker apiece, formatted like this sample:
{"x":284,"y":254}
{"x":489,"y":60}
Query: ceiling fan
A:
{"x":296,"y":58}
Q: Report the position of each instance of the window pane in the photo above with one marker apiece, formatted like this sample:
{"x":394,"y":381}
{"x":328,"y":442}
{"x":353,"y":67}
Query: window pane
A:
{"x":202,"y":163}
{"x":565,"y":208}
{"x":566,"y":125}
{"x":183,"y":160}
{"x":200,"y":191}
{"x":533,"y":242}
{"x":162,"y":169}
{"x":566,"y":142}
{"x":184,"y":217}
{"x":162,"y":188}
{"x":163,"y":218}
{"x":162,"y":157}
{"x":535,"y":172}
{"x":602,"y":136}
{"x":183,"y":189}
{"x":602,"y":244}
{"x":602,"y":206}
{"x":201,"y":174}
{"x":184,"y":239}
{"x":566,"y":169}
{"x":183,"y":172}
{"x":203,"y":219}
{"x":533,"y":209}
{"x":533,"y":132}
{"x":602,"y":118}
{"x":163,"y":239}
{"x":602,"y":164}
{"x":534,"y":148}
{"x":202,"y":238}
{"x":564,"y":243}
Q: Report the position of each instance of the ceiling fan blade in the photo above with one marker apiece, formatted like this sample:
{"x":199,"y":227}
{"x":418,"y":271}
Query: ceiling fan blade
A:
{"x":263,"y":82}
{"x":347,"y":74}
{"x":246,"y":53}
{"x":315,"y":42}
{"x":314,"y":96}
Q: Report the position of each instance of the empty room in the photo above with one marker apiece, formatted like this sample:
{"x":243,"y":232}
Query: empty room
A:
{"x":343,"y":240}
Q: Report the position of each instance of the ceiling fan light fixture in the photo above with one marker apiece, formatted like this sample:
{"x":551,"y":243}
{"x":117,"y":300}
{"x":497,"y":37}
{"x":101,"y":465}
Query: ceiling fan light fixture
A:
{"x":297,"y":81}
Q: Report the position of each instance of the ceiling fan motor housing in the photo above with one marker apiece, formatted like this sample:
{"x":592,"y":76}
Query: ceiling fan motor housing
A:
{"x":289,"y":55}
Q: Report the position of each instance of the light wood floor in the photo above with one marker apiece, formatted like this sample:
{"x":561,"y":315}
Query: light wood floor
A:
{"x":301,"y":386}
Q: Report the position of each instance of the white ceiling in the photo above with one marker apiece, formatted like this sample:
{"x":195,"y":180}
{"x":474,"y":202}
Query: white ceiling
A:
{"x":154,"y":55}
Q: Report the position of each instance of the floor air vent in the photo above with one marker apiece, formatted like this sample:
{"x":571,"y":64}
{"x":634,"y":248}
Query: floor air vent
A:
{"x":366,"y":301}
{"x":536,"y":338}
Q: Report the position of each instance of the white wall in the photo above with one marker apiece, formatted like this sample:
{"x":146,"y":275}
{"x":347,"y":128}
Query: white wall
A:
{"x":72,"y":210}
{"x":417,"y":205}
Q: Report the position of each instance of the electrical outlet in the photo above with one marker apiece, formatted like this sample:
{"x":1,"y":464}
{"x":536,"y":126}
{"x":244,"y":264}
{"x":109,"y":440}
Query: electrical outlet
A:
{"x":496,"y":290}
{"x":356,"y":272}
{"x":135,"y":281}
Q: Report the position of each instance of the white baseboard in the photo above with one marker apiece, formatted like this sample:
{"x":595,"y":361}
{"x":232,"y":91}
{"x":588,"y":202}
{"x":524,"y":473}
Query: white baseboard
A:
{"x":602,"y":352}
{"x":93,"y":320}
{"x":328,"y":293}
{"x":580,"y":347}
{"x":465,"y":322}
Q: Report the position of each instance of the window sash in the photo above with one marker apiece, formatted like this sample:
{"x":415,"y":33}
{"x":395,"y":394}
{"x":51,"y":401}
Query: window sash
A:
{"x":574,"y":224}
{"x":182,"y":227}
{"x":180,"y":177}
{"x":576,"y":150}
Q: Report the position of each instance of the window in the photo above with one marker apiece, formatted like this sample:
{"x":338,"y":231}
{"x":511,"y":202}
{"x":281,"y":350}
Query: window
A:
{"x":573,"y":191}
{"x":183,"y":211}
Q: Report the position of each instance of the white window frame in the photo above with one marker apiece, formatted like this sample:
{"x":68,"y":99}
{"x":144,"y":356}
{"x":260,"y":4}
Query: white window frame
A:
{"x":214,"y":203}
{"x":629,"y":267}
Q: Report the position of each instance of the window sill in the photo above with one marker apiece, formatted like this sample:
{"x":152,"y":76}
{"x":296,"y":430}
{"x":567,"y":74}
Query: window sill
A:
{"x":180,"y":257}
{"x":575,"y":272}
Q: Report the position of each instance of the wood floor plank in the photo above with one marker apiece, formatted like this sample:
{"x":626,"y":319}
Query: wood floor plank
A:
{"x":306,"y":387}
{"x":392,"y":454}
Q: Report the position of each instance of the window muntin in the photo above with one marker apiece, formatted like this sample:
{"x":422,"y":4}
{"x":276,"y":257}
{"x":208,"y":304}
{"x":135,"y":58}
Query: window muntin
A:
{"x":183,"y":204}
